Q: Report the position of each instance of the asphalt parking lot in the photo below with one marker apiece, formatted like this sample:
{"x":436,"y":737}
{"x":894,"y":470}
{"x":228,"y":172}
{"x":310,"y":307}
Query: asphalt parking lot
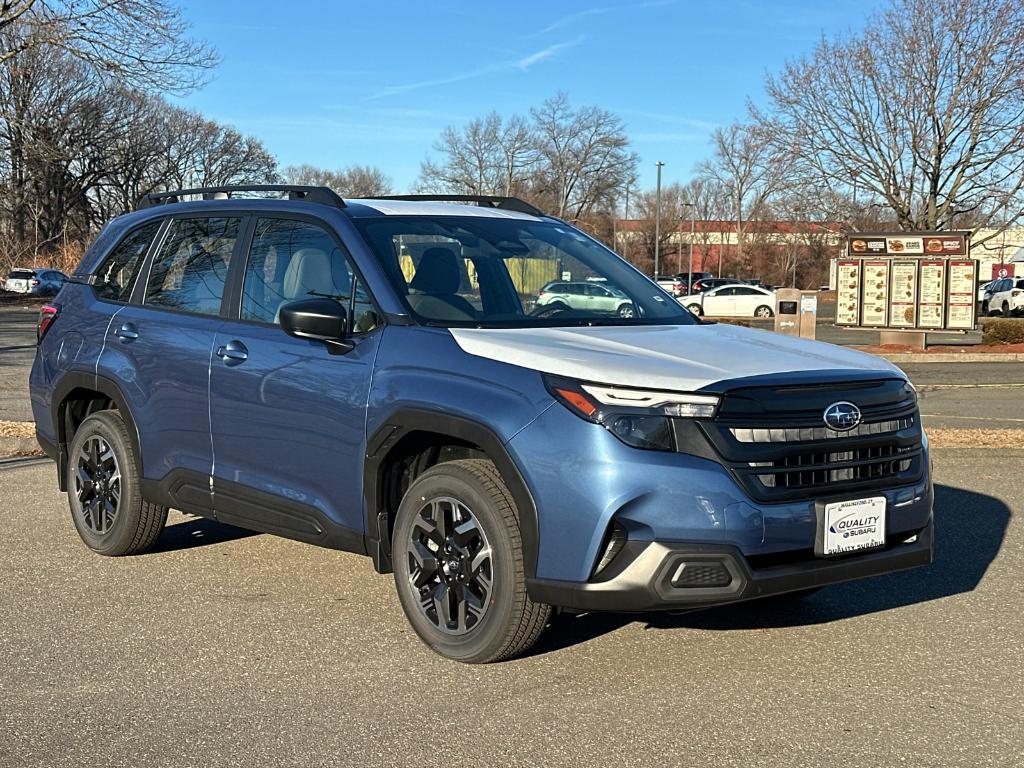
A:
{"x":223,"y":648}
{"x":228,"y":648}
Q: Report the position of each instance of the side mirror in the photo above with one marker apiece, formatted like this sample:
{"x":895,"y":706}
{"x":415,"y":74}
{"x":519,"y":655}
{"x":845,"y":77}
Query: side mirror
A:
{"x":320,"y":319}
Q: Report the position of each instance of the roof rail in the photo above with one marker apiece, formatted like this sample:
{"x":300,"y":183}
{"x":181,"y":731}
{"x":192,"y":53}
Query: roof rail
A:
{"x":295,"y":192}
{"x":492,"y":201}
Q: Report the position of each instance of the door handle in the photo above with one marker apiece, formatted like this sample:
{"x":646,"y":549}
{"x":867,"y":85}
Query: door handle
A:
{"x":233,"y":352}
{"x":127,"y":332}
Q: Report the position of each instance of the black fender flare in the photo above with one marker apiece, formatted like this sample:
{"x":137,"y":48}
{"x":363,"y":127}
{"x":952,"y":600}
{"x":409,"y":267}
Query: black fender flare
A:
{"x":407,"y":420}
{"x":108,"y":388}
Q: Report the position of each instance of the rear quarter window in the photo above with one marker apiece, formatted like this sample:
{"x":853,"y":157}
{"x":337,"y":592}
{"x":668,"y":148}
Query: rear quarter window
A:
{"x":115,"y":276}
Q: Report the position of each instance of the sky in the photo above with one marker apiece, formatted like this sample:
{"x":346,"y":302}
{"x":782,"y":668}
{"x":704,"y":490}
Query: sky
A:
{"x":374,"y":83}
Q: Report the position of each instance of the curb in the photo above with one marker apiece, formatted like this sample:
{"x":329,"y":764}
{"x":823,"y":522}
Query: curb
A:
{"x":952,"y":357}
{"x":19,"y":446}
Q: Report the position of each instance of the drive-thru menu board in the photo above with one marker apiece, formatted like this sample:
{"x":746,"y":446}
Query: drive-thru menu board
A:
{"x":875,"y":312}
{"x":932,"y":296}
{"x":903,"y":294}
{"x":848,"y":292}
{"x":907,"y":280}
{"x":961,"y":297}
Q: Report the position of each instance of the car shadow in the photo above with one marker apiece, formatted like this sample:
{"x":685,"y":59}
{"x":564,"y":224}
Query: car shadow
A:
{"x":197,"y":532}
{"x":969,"y":531}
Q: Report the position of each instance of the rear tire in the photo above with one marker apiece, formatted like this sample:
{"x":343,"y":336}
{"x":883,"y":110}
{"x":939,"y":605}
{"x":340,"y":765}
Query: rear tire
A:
{"x":696,"y":309}
{"x":104,"y":494}
{"x":764,"y":311}
{"x":458,"y":565}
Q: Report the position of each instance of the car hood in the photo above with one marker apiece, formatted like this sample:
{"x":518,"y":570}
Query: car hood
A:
{"x":673,"y":357}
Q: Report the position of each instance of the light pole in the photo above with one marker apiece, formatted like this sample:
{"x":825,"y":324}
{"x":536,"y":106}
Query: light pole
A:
{"x":657,"y":219}
{"x":689,"y":269}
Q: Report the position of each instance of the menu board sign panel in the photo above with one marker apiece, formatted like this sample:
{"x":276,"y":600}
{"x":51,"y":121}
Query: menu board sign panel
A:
{"x":945,"y":245}
{"x":848,"y":274}
{"x":867,"y":246}
{"x":931,"y":294}
{"x":961,"y":297}
{"x":903,"y":294}
{"x":875,"y":294}
{"x":899,"y":245}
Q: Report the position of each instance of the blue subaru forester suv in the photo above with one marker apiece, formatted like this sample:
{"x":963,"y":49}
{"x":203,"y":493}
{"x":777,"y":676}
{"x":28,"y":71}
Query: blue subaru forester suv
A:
{"x":387,"y":377}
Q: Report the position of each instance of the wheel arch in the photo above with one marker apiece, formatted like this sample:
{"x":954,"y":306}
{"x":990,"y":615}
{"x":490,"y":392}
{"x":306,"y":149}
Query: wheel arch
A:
{"x":388,"y":447}
{"x":75,"y":397}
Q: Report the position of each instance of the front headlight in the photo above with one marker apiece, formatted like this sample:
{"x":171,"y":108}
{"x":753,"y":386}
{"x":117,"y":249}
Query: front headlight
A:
{"x":683,"y":404}
{"x":638,"y":417}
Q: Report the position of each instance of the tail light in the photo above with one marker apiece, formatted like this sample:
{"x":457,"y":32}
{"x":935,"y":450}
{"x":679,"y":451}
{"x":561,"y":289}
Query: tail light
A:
{"x":46,"y":317}
{"x":33,"y":282}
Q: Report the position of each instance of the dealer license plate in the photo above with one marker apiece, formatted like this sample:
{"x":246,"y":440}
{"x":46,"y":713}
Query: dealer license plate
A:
{"x":851,"y":526}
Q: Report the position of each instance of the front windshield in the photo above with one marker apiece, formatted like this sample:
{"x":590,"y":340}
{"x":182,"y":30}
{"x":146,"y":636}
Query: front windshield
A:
{"x":486,"y":272}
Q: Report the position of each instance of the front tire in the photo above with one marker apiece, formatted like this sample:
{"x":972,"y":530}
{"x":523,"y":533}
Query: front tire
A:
{"x":104,"y":492}
{"x":626,"y":311}
{"x":458,"y":565}
{"x":1006,"y":309}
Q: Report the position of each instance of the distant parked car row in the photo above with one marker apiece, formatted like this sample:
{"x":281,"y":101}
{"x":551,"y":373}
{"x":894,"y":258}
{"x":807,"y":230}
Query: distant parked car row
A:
{"x":37,"y":282}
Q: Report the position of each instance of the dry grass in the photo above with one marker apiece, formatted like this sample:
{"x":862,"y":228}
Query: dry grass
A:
{"x":938,"y":437}
{"x":947,"y":437}
{"x":17,"y":429}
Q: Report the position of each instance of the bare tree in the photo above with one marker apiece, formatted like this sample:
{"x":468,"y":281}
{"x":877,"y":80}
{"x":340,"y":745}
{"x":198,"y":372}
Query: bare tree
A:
{"x":585,"y":157}
{"x":924,"y":111}
{"x":710,"y":207}
{"x":354,"y":181}
{"x":647,"y":233}
{"x":572,"y":162}
{"x":749,"y":171}
{"x":487,"y":156}
{"x":139,"y":43}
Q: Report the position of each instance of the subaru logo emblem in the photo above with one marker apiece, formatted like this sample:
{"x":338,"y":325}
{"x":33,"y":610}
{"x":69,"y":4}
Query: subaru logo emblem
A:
{"x":842,"y":416}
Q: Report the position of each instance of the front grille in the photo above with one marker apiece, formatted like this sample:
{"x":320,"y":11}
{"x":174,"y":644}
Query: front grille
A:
{"x":774,"y":441}
{"x":814,"y":469}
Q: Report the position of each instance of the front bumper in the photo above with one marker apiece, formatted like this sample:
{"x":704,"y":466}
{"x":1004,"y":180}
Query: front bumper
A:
{"x":655,"y":575}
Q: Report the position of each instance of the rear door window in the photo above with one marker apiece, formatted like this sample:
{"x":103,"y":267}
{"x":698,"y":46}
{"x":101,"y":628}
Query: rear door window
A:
{"x":189,"y":272}
{"x":115,"y":276}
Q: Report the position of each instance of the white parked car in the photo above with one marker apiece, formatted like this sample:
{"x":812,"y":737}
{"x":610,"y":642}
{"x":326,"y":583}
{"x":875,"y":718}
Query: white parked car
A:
{"x":1005,"y":297}
{"x":733,"y":301}
{"x":40,"y":282}
{"x":590,"y":296}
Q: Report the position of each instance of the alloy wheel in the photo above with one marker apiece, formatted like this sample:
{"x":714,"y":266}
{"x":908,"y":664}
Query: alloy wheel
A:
{"x":450,"y":565}
{"x":98,"y":484}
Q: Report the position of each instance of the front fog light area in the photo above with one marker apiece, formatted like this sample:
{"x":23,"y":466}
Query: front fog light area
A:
{"x":653,"y":433}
